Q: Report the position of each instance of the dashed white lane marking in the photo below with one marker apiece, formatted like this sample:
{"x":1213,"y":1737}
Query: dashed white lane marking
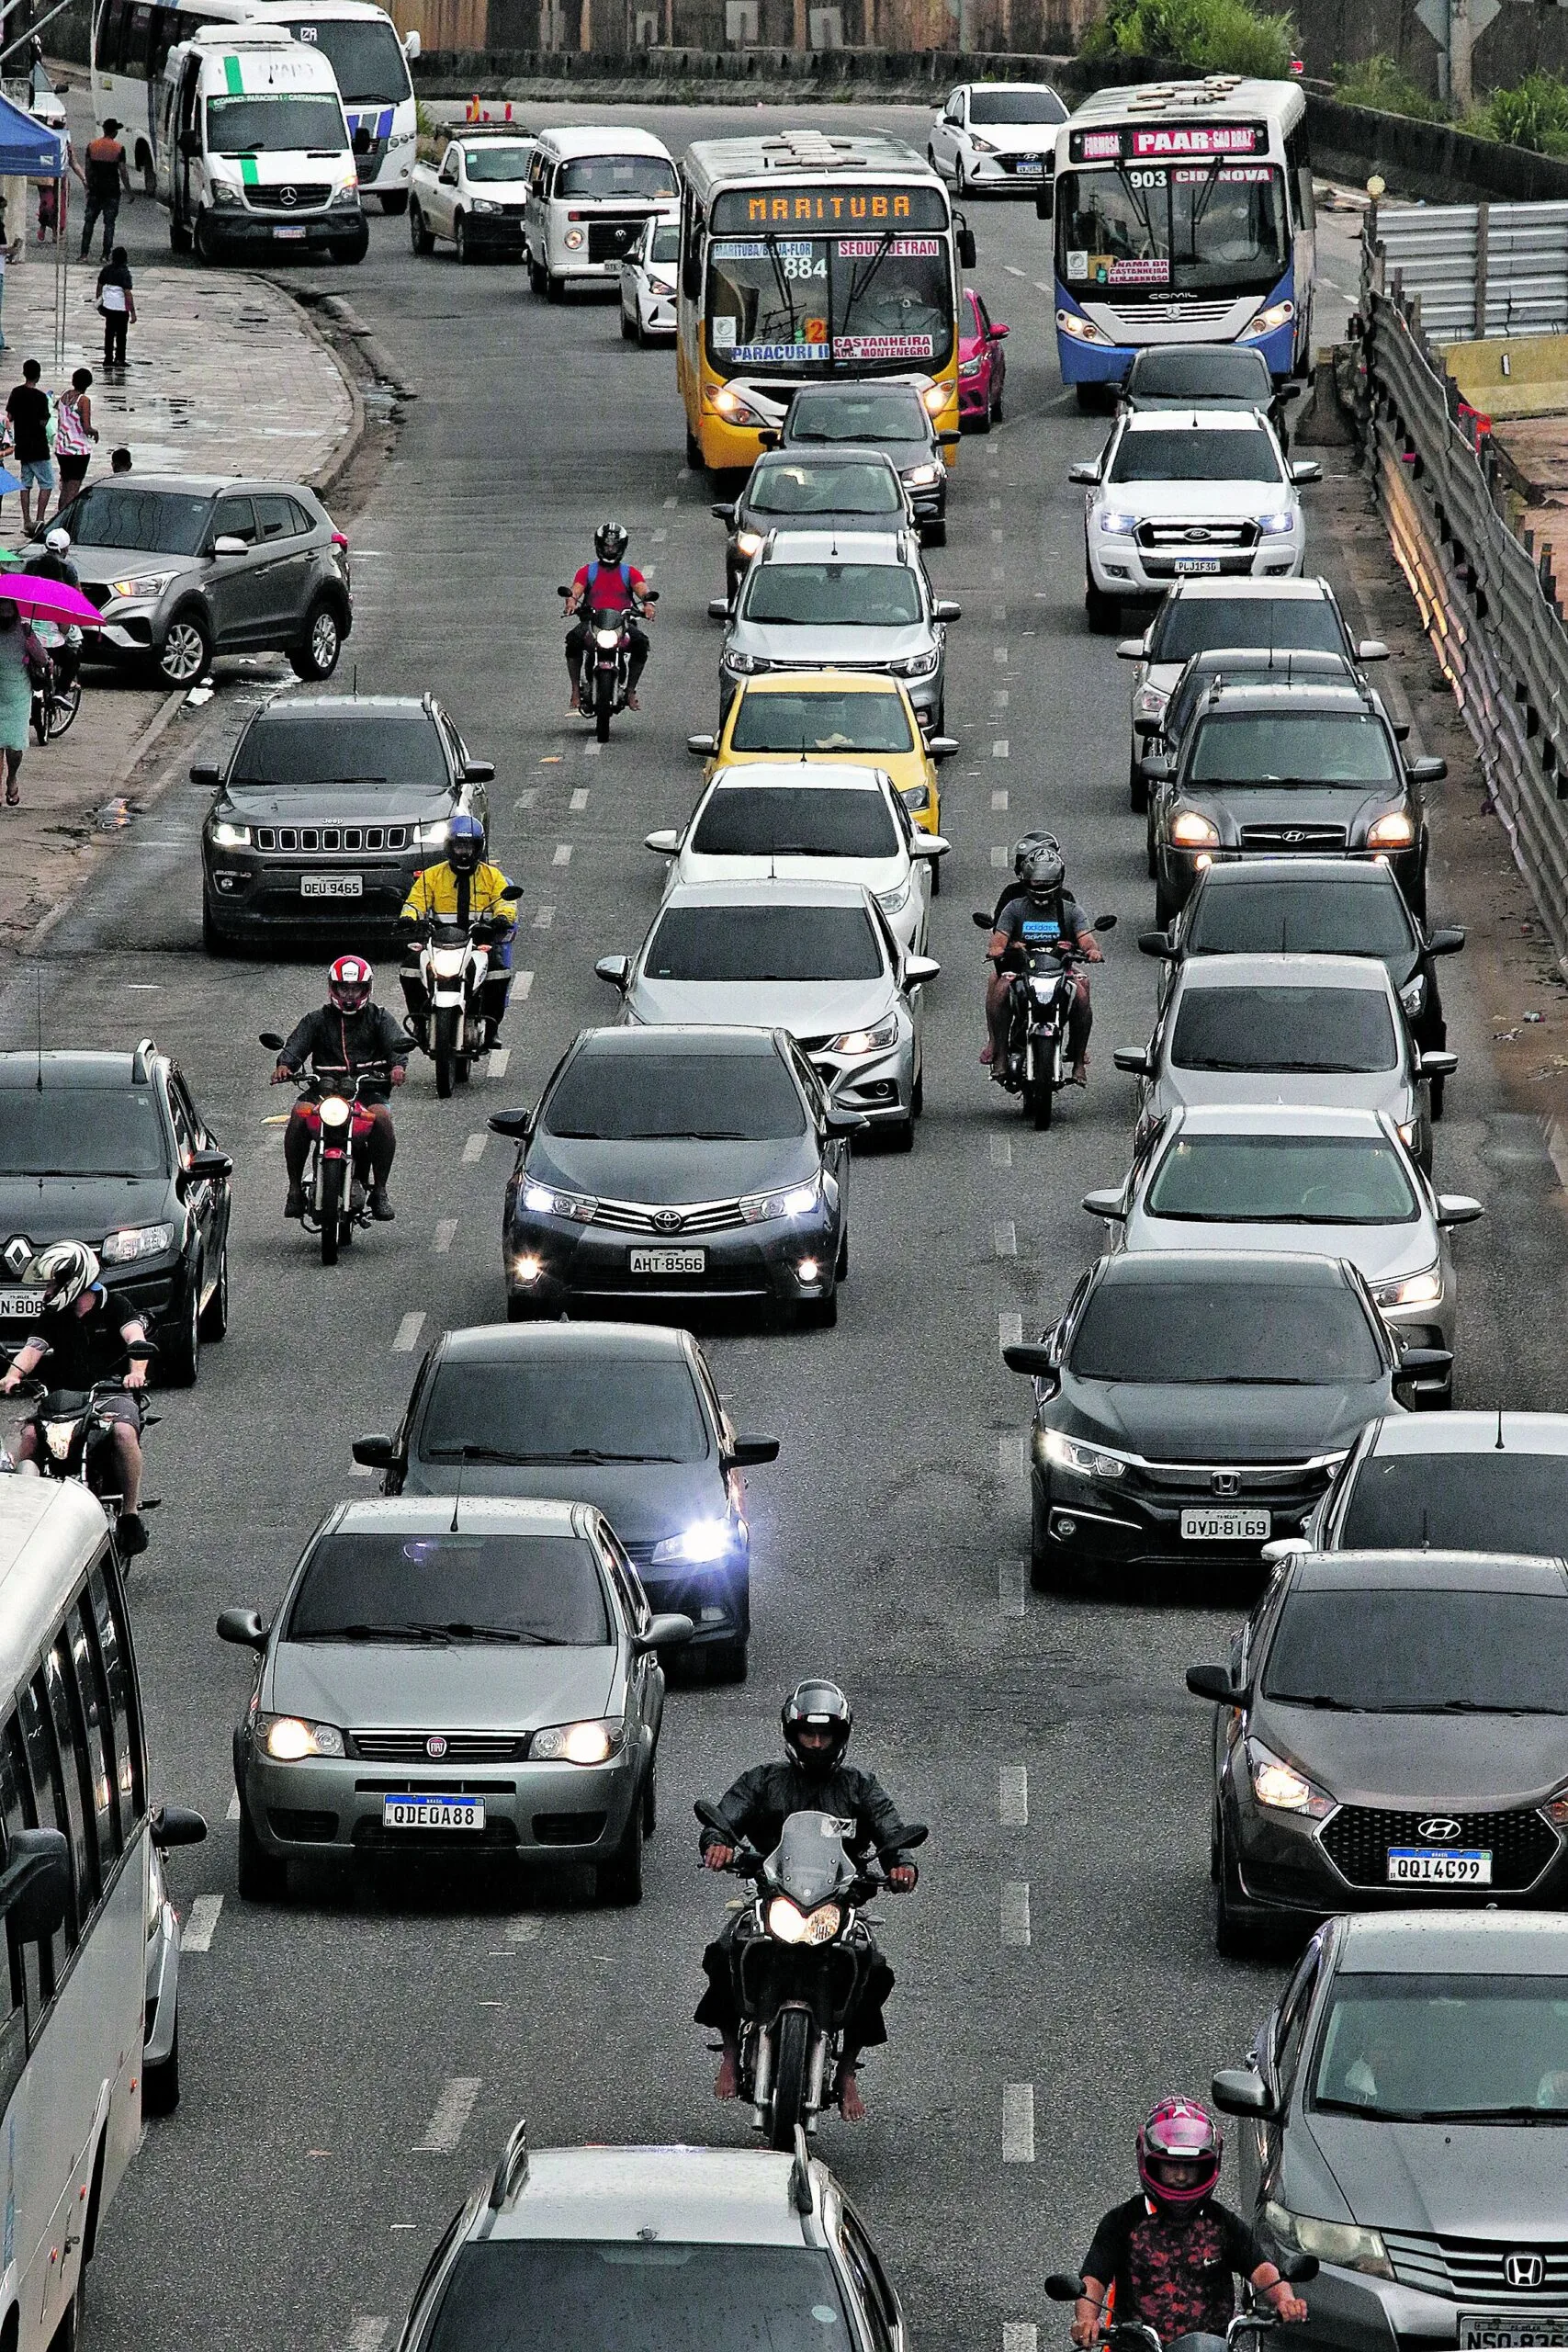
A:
{"x":1009,"y":1587}
{"x":1010,"y":1331}
{"x":1000,"y":698}
{"x":1011,"y":271}
{"x":995,"y":504}
{"x":444,"y":1233}
{"x":368,"y":2334}
{"x":499,"y":1056}
{"x":998,"y":573}
{"x":1004,"y":1234}
{"x":453,"y":2110}
{"x":999,"y":749}
{"x":998,"y":855}
{"x":580,"y":797}
{"x":1001,"y":1151}
{"x":356,"y":1470}
{"x":474,"y":1149}
{"x":997,"y":535}
{"x":670,"y":502}
{"x":998,"y":614}
{"x":659,"y":538}
{"x":1015,"y":1911}
{"x":1040,"y":288}
{"x":1012,"y":1453}
{"x":526,"y":799}
{"x":1018,"y":2123}
{"x":1012,"y":1795}
{"x":196,"y":1933}
{"x":409,"y":1330}
{"x":544,"y":919}
{"x":233,"y":1812}
{"x":999,"y":799}
{"x":999,"y":656}
{"x":592,"y":750}
{"x":522,"y":989}
{"x":524,"y":1929}
{"x":563,"y":853}
{"x":1020,"y":2336}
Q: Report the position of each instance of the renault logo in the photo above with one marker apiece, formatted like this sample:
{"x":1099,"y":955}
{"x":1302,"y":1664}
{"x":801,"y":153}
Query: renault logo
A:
{"x":435,"y":1745}
{"x":1524,"y":2269}
{"x":18,"y":1250}
{"x":1442,"y":1828}
{"x":668,"y":1220}
{"x":1225,"y":1482}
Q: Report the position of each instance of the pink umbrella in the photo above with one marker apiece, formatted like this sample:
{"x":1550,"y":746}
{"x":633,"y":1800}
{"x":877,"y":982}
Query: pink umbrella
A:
{"x":39,"y":599}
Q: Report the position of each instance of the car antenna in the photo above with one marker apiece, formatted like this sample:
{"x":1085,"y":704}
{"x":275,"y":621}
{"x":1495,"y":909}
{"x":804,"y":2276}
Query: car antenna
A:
{"x":355,"y":687}
{"x":1425,"y":1531}
{"x":37,"y":992}
{"x":1500,"y":1448}
{"x":458,"y":1490}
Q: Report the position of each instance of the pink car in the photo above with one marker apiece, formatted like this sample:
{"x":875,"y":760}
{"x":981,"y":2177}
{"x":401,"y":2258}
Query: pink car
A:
{"x":982,"y":364}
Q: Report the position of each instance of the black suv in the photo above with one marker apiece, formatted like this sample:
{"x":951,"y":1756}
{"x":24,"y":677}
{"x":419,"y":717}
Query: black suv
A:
{"x":330,"y":805}
{"x":1272,"y":769}
{"x":110,"y":1150}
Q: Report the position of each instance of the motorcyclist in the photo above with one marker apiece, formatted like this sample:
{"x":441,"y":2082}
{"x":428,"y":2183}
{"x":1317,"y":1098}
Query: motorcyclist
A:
{"x":817,"y":1721}
{"x":75,"y":1328}
{"x":464,"y":887}
{"x":345,"y":1034}
{"x":1172,"y":2252}
{"x":1039,"y":912}
{"x":61,"y":639}
{"x":608,"y":584}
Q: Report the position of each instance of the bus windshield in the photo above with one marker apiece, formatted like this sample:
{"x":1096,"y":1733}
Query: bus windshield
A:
{"x":365,"y":55}
{"x":275,"y":126}
{"x":864,"y":302}
{"x":1184,"y":228}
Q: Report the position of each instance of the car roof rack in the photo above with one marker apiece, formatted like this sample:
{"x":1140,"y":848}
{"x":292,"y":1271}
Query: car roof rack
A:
{"x":512,"y":2172}
{"x":141,"y":1061}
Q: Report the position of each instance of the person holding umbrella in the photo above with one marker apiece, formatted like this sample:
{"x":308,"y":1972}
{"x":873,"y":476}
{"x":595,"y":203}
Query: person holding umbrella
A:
{"x":22,"y":660}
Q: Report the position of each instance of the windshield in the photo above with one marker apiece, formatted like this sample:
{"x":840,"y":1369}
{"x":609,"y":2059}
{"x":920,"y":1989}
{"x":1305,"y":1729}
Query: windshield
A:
{"x":356,"y":746}
{"x":1184,"y":229}
{"x":1201,"y":375}
{"x":583,"y":2294}
{"x":606,"y":175}
{"x":1020,"y":104}
{"x":791,"y":943}
{"x":1422,"y":1652}
{"x":367,"y":58}
{"x":836,"y":596}
{"x":82,"y":1131}
{"x":1282,"y":1179}
{"x":1270,"y":747}
{"x":705,"y":1098}
{"x":485,"y":165}
{"x":868,"y":416}
{"x":1316,"y":918}
{"x":1175,"y":1333}
{"x":792,"y":821}
{"x":534,"y":1589}
{"x":666,"y":245}
{"x":1188,"y":625}
{"x":1284,"y":1029}
{"x":821,"y":722}
{"x":556,"y":1409}
{"x":144,"y":522}
{"x":797,"y":486}
{"x":275,"y":126}
{"x":1449,"y":2049}
{"x":1171,"y":453}
{"x":874,"y":301}
{"x":1491,"y":1501}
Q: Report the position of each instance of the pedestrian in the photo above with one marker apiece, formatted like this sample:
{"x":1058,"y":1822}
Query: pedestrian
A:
{"x":49,"y":212}
{"x":117,"y":305}
{"x":10,"y":251}
{"x":23,"y":664}
{"x":120,"y":460}
{"x":28,"y":410}
{"x":75,"y":433}
{"x":107,"y":174}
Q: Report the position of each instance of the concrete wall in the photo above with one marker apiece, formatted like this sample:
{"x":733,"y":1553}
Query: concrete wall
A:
{"x":985,"y":28}
{"x":1523,"y":37}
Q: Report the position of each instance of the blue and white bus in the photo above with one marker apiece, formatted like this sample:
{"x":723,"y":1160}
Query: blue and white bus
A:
{"x":1182,"y":214}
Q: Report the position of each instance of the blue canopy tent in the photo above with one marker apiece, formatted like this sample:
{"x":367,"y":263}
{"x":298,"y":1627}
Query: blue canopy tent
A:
{"x":29,"y":149}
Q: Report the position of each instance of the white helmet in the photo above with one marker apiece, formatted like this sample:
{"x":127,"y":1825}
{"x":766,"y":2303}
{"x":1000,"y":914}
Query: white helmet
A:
{"x":58,"y":541}
{"x":62,"y":1271}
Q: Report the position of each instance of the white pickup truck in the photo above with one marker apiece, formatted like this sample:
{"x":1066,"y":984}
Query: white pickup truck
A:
{"x":474,"y":197}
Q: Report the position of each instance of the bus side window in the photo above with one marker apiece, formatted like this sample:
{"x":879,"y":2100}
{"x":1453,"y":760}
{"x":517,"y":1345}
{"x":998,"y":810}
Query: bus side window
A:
{"x":49,"y":1808}
{"x":26,"y":1960}
{"x":165,"y":32}
{"x":92,"y":1698}
{"x":138,"y":38}
{"x":107,"y":1606}
{"x":1298,"y":172}
{"x":690,"y":249}
{"x":70,"y":1742}
{"x":111,"y":32}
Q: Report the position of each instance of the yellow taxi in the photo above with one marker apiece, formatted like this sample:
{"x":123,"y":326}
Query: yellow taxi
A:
{"x":857,"y":716}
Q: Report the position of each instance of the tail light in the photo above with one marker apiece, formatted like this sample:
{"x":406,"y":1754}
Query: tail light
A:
{"x":339,"y":541}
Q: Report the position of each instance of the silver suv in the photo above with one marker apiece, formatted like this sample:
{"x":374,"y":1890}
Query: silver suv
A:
{"x":839,"y":600}
{"x":656,"y":2245}
{"x":186,"y":566}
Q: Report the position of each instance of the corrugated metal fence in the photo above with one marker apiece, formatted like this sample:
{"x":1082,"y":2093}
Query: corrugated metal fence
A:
{"x":1479,"y":269}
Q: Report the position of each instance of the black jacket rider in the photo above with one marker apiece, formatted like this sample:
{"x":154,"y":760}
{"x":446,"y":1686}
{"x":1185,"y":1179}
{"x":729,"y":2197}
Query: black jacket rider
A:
{"x":762,"y":1800}
{"x":332,"y":1040}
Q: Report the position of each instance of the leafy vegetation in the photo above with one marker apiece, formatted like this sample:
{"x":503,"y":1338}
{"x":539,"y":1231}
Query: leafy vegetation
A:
{"x":1534,"y":114}
{"x":1210,"y":36}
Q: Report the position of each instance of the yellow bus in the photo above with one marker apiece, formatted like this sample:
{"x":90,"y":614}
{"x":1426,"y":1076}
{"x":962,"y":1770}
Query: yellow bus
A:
{"x":804,"y":258}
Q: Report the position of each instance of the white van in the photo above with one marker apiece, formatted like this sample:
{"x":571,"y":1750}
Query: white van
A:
{"x":253,"y":151}
{"x":590,"y":193}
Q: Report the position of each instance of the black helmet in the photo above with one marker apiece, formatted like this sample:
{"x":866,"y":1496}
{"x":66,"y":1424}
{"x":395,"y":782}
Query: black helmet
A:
{"x":1027,"y":844}
{"x":610,"y":541}
{"x":816,"y":1706}
{"x":1043,"y":872}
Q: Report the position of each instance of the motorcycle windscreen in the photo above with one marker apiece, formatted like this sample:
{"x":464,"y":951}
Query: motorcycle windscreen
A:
{"x":809,"y":1863}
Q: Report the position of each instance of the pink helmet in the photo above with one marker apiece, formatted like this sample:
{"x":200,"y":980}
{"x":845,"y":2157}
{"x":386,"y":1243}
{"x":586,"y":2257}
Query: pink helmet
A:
{"x":1180,"y":2132}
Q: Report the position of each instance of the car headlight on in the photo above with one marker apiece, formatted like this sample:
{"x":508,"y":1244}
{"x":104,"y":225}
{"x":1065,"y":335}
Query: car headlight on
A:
{"x":923,"y":477}
{"x":798,"y":1200}
{"x":1413,"y":995}
{"x":1116,"y":520}
{"x":544,"y":1200}
{"x":288,"y":1739}
{"x":894,"y":901}
{"x":1280,"y":1788}
{"x":483,"y":204}
{"x":432,"y":835}
{"x":1396,"y":830}
{"x":865,"y":1041}
{"x":145,"y":583}
{"x":747,"y":543}
{"x":1278,"y":314}
{"x":573,"y":240}
{"x":1080,"y":330}
{"x":1087,"y":1460}
{"x":1424,"y":1289}
{"x":970,"y":367}
{"x":1191,"y":831}
{"x":934,"y":399}
{"x":791,"y":1924}
{"x":1277,"y":524}
{"x":1345,"y":2244}
{"x":590,"y":1743}
{"x":697,"y":1546}
{"x":1150,"y":702}
{"x":722,"y":402}
{"x":227,"y":835}
{"x":136,"y":1241}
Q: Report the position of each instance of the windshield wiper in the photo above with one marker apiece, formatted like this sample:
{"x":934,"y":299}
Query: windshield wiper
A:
{"x":459,"y":1630}
{"x":410,"y":1633}
{"x":478,"y":1453}
{"x":1465,"y":1707}
{"x":593,"y":1453}
{"x":1314,"y":1699}
{"x":1520,"y":2114}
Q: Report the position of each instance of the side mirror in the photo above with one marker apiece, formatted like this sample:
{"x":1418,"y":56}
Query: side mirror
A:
{"x":1105,"y":922}
{"x":667,"y":1633}
{"x":722,"y":514}
{"x":1288,"y":393}
{"x":918,"y":968}
{"x":1237,"y":2090}
{"x":1447,"y":941}
{"x":966,"y":252}
{"x":518,"y":1125}
{"x":846,"y":1123}
{"x":190,"y":142}
{"x":243,"y":1627}
{"x":1156,"y":942}
{"x":226,"y":543}
{"x":1110,"y":1205}
{"x":479,"y":770}
{"x":203,"y":1165}
{"x":1371,"y":648}
{"x":750,"y":1453}
{"x":769,"y":438}
{"x":1132,"y":649}
{"x":944,"y":609}
{"x":1085,"y":471}
{"x":1136,"y":1060}
{"x":411,"y":46}
{"x":270,"y":1037}
{"x":206,"y":773}
{"x":1032,"y":1357}
{"x":718,"y":608}
{"x":1437,"y":1063}
{"x":942,"y":747}
{"x":1158,"y":768}
{"x":930,"y":846}
{"x":1214,"y":1682}
{"x":948,"y":440}
{"x":1305,"y":469}
{"x":1408,"y":1372}
{"x":1286,"y":1547}
{"x":1458,"y":1208}
{"x":1300,"y":2269}
{"x":176,"y":1825}
{"x":35,"y":1886}
{"x":982,"y":922}
{"x":615,"y":969}
{"x":666,"y":843}
{"x":1148,"y":730}
{"x":376,"y":1451}
{"x":1428,"y":771}
{"x":1045,"y":205}
{"x":701,"y":747}
{"x":998,"y":332}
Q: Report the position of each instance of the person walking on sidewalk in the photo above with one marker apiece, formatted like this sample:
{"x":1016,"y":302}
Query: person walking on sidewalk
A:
{"x":29,"y":409}
{"x":74,"y":433}
{"x":23,"y":664}
{"x":117,"y":304}
{"x":107,"y":174}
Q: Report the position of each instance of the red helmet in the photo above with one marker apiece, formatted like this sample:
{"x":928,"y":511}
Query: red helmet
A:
{"x":1180,"y":2148}
{"x":349,"y":983}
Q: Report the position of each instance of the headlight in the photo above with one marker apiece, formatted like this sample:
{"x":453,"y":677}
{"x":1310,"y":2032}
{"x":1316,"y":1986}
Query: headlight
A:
{"x":483,"y":204}
{"x":983,"y":146}
{"x":1193,"y":832}
{"x":593,"y":1743}
{"x":350,"y":195}
{"x":607,"y":638}
{"x":572,"y":239}
{"x":222,"y":193}
{"x":791,"y":1924}
{"x":1394,"y":832}
{"x":1086,"y":1460}
{"x":742,"y":664}
{"x":146,"y":583}
{"x":1081,"y":330}
{"x":136,"y":1241}
{"x":1345,"y":2244}
{"x":748,"y":542}
{"x":544,"y":1200}
{"x":1112,"y":518}
{"x":1556,"y":1809}
{"x":1150,"y":702}
{"x":1280,"y":1787}
{"x":934,"y":399}
{"x":923,"y":477}
{"x":1413,"y":995}
{"x":893,"y":902}
{"x":228,"y":836}
{"x":729,"y":405}
{"x":1416,"y":1289}
{"x":333,"y":1111}
{"x":919,"y":665}
{"x":287,"y":1739}
{"x":970,"y":367}
{"x":697,"y":1546}
{"x":1275,"y":525}
{"x":760,"y":1208}
{"x":1278,"y":314}
{"x":865,"y":1041}
{"x":432,"y":835}
{"x":446,"y":962}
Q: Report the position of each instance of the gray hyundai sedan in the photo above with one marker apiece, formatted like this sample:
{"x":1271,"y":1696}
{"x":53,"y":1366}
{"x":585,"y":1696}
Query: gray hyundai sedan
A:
{"x":477,"y":1677}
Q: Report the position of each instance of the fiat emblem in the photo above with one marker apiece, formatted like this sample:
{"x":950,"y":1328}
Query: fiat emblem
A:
{"x":435,"y":1745}
{"x":1441,"y":1828}
{"x":1525,"y":2270}
{"x":668,"y":1220}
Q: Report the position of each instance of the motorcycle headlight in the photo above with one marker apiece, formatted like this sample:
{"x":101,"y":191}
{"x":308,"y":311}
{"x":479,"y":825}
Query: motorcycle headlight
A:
{"x":970,"y":367}
{"x":1345,"y":2244}
{"x":762,"y":1208}
{"x":1416,"y":1289}
{"x":696,"y":1546}
{"x":1396,"y":830}
{"x":1193,"y":832}
{"x":432,"y":835}
{"x":1274,"y":526}
{"x":1413,"y":995}
{"x":1115,"y":520}
{"x":1081,"y":330}
{"x":544,"y":1200}
{"x":1277,"y":315}
{"x":136,"y":1241}
{"x":1280,"y":1788}
{"x":288,"y":1739}
{"x":227,"y":835}
{"x":448,"y":962}
{"x":145,"y":583}
{"x":791,"y":1924}
{"x":607,"y":638}
{"x":923,"y":477}
{"x":865,"y":1041}
{"x":1150,"y":702}
{"x":590,"y":1743}
{"x":894,"y":901}
{"x":333,"y":1110}
{"x":748,"y":542}
{"x":1087,"y":1461}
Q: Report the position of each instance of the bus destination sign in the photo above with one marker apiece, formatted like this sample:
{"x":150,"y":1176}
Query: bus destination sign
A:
{"x":872,"y":211}
{"x":1167,"y":143}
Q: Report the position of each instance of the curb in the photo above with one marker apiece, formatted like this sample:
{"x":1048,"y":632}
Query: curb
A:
{"x":157,"y":727}
{"x":342,"y":457}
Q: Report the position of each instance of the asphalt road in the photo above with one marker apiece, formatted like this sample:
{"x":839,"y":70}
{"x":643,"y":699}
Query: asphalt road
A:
{"x":1049,"y":1744}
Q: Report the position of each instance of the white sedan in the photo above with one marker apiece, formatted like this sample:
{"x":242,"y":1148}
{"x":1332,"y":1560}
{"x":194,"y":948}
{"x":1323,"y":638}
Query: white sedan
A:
{"x":997,"y":136}
{"x":647,"y":284}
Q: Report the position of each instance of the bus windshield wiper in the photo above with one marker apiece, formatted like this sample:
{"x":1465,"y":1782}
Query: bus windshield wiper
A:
{"x":782,"y":284}
{"x":859,"y":287}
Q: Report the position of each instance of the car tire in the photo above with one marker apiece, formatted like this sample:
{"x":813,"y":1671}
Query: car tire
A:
{"x":214,"y":1322}
{"x":816,"y":1313}
{"x":1418,"y":896}
{"x":619,"y":1880}
{"x":519,"y":1308}
{"x":1090,"y":398}
{"x":1151,"y":854}
{"x":351,"y":249}
{"x":629,"y":328}
{"x":319,"y":651}
{"x":934,"y":534}
{"x":161,"y":2083}
{"x":555,"y":287}
{"x":1137,"y":787}
{"x":214,"y":940}
{"x":841,"y":1262}
{"x":179,"y":235}
{"x":936,"y":879}
{"x":727,"y":1662}
{"x":696,"y":461}
{"x":178,"y":1359}
{"x":460,"y":245}
{"x":186,"y":655}
{"x":651,"y":1796}
{"x":420,"y":238}
{"x":997,"y":416}
{"x":918,"y":1099}
{"x":900,"y":1134}
{"x":1238,"y":1934}
{"x":1103,"y":612}
{"x":535,"y":277}
{"x":1168,"y":906}
{"x":208,"y":248}
{"x":394,"y":203}
{"x":1436,"y":1085}
{"x":263,"y":1877}
{"x":981,"y":424}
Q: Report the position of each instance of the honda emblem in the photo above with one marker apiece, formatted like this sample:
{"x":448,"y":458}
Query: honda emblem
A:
{"x":1225,"y":1482}
{"x":1525,"y":2270}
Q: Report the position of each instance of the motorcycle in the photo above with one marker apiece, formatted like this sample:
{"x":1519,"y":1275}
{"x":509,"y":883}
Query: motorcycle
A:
{"x":336,"y":1196}
{"x":57,"y":698}
{"x":801,"y":1950}
{"x":72,"y":1434}
{"x":1136,"y":2336}
{"x":454,"y":965}
{"x":606,"y":663}
{"x":1040,"y":1003}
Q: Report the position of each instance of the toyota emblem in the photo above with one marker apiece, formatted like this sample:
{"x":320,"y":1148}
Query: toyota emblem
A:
{"x":1441,"y":1828}
{"x":1225,"y":1482}
{"x":289,"y":195}
{"x":1525,"y":2270}
{"x":668,"y":1220}
{"x":18,"y":1250}
{"x":435,"y":1745}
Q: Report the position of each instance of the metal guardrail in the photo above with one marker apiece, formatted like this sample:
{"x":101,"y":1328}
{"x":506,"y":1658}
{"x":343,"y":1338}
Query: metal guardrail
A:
{"x":1487,"y":608}
{"x":1479,"y":269}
